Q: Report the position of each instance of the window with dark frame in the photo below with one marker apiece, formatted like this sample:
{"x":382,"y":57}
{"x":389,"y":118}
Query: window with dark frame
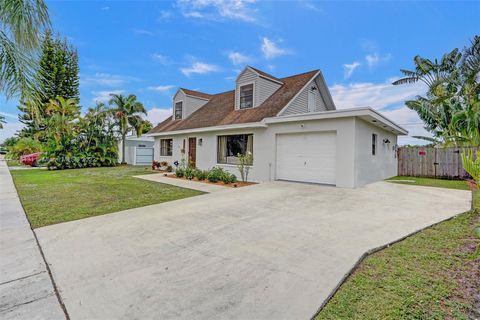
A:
{"x":166,"y":147}
{"x":229,"y":147}
{"x":178,"y":110}
{"x":246,"y":96}
{"x":374,"y":144}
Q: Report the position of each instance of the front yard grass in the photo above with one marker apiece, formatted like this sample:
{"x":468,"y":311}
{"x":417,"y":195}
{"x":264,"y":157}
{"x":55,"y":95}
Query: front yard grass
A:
{"x":430,"y":275}
{"x":431,"y":182}
{"x":51,"y":197}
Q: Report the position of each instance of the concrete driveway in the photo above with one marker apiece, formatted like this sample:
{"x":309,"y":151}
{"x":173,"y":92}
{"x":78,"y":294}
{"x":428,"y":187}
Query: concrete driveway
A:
{"x":270,"y":251}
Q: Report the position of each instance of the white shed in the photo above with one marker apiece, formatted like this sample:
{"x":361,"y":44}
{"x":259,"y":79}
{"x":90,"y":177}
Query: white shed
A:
{"x":138,"y":150}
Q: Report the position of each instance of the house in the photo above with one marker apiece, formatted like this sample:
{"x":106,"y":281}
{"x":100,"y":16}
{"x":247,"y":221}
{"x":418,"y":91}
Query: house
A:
{"x":138,"y":150}
{"x":290,"y":125}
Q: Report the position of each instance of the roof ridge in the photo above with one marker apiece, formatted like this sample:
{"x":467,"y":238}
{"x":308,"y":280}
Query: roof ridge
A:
{"x":263,"y":73}
{"x":299,"y":74}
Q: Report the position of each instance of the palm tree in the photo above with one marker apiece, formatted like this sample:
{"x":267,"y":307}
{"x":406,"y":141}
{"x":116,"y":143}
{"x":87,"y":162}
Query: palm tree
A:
{"x":2,"y":121}
{"x":63,"y":113}
{"x":21,"y":26}
{"x":441,"y":102}
{"x":127,"y":112}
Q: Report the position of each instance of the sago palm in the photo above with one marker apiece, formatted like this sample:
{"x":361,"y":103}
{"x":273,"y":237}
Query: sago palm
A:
{"x":21,"y":26}
{"x":127,"y":113}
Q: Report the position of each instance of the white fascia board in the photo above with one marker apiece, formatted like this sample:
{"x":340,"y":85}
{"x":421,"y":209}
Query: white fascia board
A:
{"x":208,"y":129}
{"x":196,"y":97}
{"x":342,"y":113}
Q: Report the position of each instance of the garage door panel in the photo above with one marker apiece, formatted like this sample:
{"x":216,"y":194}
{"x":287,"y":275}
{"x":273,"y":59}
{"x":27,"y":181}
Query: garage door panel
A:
{"x":308,"y":157}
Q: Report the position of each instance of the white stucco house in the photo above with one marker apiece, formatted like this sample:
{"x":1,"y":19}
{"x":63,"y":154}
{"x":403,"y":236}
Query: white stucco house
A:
{"x":290,"y":125}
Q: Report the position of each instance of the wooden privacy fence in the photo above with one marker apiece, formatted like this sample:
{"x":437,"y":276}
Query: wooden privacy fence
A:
{"x":432,"y":162}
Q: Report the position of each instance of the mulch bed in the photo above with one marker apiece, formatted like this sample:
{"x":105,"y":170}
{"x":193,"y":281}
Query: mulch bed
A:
{"x":237,"y":184}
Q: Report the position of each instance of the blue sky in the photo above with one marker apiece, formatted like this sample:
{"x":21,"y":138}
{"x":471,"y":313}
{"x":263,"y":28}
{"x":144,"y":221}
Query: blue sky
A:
{"x":150,"y":48}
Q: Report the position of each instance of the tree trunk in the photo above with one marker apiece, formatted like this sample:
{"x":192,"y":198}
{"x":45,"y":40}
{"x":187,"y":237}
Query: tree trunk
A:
{"x":123,"y":148}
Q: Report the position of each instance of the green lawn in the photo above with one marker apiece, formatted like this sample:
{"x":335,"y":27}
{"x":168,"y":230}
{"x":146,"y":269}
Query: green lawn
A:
{"x":431,"y":275}
{"x":51,"y":197}
{"x":430,"y":182}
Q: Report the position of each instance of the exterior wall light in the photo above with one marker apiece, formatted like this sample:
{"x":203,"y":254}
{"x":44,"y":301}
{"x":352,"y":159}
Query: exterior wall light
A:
{"x":200,"y":141}
{"x":386,"y":140}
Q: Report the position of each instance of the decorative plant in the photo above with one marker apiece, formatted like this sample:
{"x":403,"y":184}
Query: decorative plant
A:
{"x":189,"y":173}
{"x":227,"y":177}
{"x":245,"y":163}
{"x":472,"y":166}
{"x":215,"y":174}
{"x":180,"y":172}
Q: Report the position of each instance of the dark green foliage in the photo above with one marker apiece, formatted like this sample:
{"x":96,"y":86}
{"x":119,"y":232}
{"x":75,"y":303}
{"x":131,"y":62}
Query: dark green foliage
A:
{"x":200,"y":174}
{"x":450,"y":108}
{"x":75,"y":142}
{"x":189,"y":173}
{"x":57,"y":76}
{"x":215,"y":174}
{"x":179,"y":172}
{"x":227,"y":177}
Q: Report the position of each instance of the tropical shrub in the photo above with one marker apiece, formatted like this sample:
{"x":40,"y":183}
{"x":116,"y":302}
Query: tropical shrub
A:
{"x":180,"y":172}
{"x":201,"y":174}
{"x":189,"y":173}
{"x":228,"y":177}
{"x":215,"y":174}
{"x":472,"y":166}
{"x":22,"y":147}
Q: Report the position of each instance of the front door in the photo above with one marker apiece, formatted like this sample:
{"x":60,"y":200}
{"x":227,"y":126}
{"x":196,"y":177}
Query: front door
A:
{"x":192,"y":151}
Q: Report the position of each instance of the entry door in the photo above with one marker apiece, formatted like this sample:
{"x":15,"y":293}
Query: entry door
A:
{"x":307,"y":157}
{"x":192,"y":151}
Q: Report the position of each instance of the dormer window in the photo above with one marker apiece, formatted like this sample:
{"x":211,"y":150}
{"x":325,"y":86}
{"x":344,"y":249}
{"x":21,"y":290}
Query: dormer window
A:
{"x":178,"y":110}
{"x":246,"y":96}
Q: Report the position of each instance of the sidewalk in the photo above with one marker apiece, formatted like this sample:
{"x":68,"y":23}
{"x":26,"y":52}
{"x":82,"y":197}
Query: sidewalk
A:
{"x":26,"y":290}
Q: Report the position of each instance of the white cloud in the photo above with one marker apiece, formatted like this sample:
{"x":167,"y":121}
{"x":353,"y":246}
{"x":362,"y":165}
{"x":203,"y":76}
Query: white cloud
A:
{"x":157,"y":115}
{"x":143,"y":32}
{"x":104,"y":96}
{"x":374,"y":59}
{"x":271,"y":50}
{"x":106,"y":8}
{"x":164,"y":15}
{"x":386,"y":98}
{"x":161,"y":58}
{"x":350,"y":68}
{"x":199,"y":68}
{"x":238,"y":58}
{"x":9,"y":115}
{"x":218,"y":9}
{"x":10,"y":129}
{"x":310,"y":6}
{"x":107,"y":79}
{"x":166,"y":88}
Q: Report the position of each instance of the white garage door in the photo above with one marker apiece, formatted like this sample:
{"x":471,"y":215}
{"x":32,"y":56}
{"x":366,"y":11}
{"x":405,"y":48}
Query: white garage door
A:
{"x":307,"y":157}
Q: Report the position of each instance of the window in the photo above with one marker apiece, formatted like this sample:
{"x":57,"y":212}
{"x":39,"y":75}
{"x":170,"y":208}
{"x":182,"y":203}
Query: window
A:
{"x":246,"y":96}
{"x":229,"y":147}
{"x":374,"y":144}
{"x":178,"y":110}
{"x":142,"y":146}
{"x":166,"y":147}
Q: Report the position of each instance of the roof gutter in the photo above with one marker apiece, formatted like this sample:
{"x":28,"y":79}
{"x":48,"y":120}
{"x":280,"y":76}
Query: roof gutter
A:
{"x":342,"y":113}
{"x":209,"y":129}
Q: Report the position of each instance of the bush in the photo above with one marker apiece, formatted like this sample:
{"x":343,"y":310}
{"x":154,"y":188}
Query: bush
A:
{"x":215,"y":174}
{"x":228,"y":178}
{"x":24,"y":146}
{"x":179,"y":172}
{"x":200,"y":174}
{"x":189,"y":173}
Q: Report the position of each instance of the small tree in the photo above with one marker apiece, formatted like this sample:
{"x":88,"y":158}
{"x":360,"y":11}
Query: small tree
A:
{"x":472,"y":166}
{"x":245,"y":162}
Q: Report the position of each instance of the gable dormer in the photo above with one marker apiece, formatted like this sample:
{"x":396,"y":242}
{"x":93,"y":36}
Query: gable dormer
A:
{"x":186,"y":102}
{"x":253,"y":87}
{"x":313,"y":97}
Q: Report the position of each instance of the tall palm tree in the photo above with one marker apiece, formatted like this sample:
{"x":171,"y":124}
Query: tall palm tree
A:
{"x":21,"y":26}
{"x":127,"y":111}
